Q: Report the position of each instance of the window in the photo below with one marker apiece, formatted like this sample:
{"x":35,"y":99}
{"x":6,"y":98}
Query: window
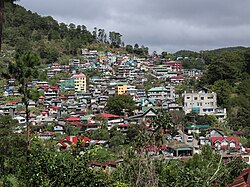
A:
{"x":202,"y":98}
{"x":188,"y":97}
{"x":195,"y":98}
{"x":210,"y":97}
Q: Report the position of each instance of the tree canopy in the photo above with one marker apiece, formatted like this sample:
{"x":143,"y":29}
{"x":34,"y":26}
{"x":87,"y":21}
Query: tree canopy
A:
{"x":119,"y":104}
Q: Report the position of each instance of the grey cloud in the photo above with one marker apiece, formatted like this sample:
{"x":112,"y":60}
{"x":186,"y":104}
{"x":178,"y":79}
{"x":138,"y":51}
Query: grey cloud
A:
{"x":160,"y":24}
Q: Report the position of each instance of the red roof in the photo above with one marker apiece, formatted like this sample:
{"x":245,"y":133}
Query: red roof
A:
{"x":54,"y":107}
{"x":227,"y":138}
{"x":44,"y":112}
{"x":123,"y":125}
{"x":177,"y":77}
{"x":47,"y":133}
{"x":74,"y":139}
{"x":105,"y":115}
{"x":50,"y":87}
{"x":73,"y":119}
{"x":11,"y":103}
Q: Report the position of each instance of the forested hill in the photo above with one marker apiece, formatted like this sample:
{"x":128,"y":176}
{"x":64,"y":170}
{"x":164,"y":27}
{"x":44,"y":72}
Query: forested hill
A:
{"x":24,"y":30}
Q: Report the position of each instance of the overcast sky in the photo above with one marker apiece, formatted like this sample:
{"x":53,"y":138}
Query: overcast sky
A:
{"x":162,"y":25}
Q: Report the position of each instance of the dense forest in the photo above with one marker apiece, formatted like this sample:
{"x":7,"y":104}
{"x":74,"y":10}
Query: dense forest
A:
{"x":24,"y":31}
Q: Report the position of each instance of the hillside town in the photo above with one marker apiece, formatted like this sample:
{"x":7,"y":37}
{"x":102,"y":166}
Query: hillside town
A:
{"x":75,"y":105}
{"x":143,"y":95}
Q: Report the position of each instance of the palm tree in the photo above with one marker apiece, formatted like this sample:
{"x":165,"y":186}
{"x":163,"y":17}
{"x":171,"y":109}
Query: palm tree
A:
{"x":1,"y":19}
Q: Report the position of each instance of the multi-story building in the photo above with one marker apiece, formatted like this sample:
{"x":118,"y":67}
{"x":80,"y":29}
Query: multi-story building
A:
{"x":121,"y":88}
{"x":80,"y":82}
{"x":203,"y":102}
{"x":161,"y":93}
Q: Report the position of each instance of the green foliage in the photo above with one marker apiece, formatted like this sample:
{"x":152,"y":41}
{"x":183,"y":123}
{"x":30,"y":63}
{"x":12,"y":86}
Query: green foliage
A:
{"x":25,"y":30}
{"x":117,"y":104}
{"x":225,"y":66}
{"x":133,"y":132}
{"x":223,"y":90}
{"x":11,"y":146}
{"x":100,"y":134}
{"x":99,"y":154}
{"x":115,"y":39}
{"x":117,"y":139}
{"x":53,"y":168}
{"x":25,"y":67}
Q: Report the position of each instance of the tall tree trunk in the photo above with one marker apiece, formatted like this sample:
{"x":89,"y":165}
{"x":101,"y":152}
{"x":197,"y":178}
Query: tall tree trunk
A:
{"x":1,"y":22}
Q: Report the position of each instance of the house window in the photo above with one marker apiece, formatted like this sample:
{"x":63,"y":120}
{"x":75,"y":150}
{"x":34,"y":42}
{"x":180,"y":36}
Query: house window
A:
{"x":195,"y":98}
{"x":188,"y":97}
{"x":210,"y":97}
{"x":202,"y":98}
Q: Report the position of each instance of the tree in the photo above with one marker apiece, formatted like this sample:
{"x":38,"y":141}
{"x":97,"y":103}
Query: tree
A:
{"x":117,"y":140}
{"x":11,"y":145}
{"x":25,"y":68}
{"x":1,"y":18}
{"x":95,"y":33}
{"x":225,"y":66}
{"x":115,"y":39}
{"x":100,"y":134}
{"x":223,"y":90}
{"x":129,"y":48}
{"x":117,"y":104}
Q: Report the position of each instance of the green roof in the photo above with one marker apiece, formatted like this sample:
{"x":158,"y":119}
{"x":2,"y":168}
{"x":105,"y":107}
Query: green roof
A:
{"x":183,"y":149}
{"x":85,"y":118}
{"x":122,"y":83}
{"x":155,"y":89}
{"x":197,"y":126}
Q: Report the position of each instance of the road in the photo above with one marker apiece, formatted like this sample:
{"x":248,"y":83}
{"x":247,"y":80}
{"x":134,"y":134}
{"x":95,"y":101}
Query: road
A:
{"x":194,"y":143}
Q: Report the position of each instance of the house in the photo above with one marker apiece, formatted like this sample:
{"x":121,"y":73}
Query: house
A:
{"x":192,"y":128}
{"x":177,"y":79}
{"x":123,"y":127}
{"x":90,"y":127}
{"x":148,"y":116}
{"x":226,"y":142}
{"x":59,"y":128}
{"x":175,"y":66}
{"x":67,"y":141}
{"x":169,"y":105}
{"x":46,"y":135}
{"x":50,"y":91}
{"x":21,"y":120}
{"x":73,"y":119}
{"x":214,"y":132}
